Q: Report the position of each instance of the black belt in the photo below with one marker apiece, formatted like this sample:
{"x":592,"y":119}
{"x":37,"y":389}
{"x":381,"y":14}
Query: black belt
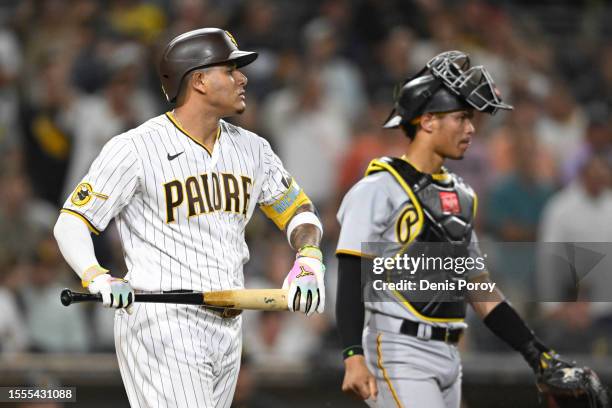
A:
{"x":452,"y":336}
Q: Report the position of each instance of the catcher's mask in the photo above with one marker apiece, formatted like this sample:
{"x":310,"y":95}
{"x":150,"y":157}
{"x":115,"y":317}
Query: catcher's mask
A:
{"x":450,"y":84}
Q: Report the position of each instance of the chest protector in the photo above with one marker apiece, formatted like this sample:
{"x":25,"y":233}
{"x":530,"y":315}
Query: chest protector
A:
{"x":445,"y":208}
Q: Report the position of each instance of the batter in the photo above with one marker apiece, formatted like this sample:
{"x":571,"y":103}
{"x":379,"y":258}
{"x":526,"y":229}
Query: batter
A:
{"x":181,"y":188}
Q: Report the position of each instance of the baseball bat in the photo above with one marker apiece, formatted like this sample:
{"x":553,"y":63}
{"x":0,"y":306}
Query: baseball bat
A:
{"x":251,"y":299}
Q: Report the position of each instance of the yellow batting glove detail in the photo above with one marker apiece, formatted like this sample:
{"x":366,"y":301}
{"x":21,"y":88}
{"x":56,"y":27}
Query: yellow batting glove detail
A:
{"x":90,"y":273}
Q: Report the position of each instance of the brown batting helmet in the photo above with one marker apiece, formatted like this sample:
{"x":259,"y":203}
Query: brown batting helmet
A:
{"x":198,"y":49}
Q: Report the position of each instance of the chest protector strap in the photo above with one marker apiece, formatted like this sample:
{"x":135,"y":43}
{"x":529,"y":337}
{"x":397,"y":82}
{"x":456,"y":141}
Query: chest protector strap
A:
{"x":445,"y":203}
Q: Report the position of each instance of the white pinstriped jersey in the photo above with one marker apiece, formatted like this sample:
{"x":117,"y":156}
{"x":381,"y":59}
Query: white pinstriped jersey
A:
{"x":181,"y":211}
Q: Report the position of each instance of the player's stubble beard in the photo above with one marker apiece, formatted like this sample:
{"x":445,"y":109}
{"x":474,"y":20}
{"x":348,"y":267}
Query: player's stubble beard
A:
{"x":237,"y":108}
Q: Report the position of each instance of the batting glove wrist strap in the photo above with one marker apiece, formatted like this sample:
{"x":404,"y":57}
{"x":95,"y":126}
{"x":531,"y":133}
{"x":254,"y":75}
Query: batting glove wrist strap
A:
{"x":91,"y":273}
{"x":310,"y":251}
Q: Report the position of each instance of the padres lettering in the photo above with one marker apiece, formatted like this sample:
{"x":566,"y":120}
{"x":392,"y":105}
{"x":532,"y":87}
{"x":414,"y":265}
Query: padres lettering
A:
{"x":208,"y":193}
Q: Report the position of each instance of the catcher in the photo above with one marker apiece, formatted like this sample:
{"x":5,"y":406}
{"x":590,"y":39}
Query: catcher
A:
{"x":406,"y":356}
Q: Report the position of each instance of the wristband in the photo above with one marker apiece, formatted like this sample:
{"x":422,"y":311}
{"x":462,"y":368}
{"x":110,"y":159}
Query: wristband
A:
{"x":352,"y":351}
{"x":306,"y":217}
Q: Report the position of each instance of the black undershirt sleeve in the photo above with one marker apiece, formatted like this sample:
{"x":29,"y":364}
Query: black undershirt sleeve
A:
{"x":350,"y":310}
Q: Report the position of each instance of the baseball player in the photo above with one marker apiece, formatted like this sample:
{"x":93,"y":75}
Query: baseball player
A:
{"x":406,"y":356}
{"x":181,"y":188}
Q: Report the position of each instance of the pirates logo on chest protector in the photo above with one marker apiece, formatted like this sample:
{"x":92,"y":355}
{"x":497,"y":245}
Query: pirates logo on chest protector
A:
{"x":407,"y":226}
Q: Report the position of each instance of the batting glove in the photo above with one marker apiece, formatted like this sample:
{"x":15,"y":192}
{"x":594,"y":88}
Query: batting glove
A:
{"x":116,"y":292}
{"x":305,"y":282}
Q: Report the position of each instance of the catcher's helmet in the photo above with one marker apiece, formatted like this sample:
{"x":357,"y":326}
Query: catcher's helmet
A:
{"x":451,"y":84}
{"x":422,"y":95}
{"x":198,"y":49}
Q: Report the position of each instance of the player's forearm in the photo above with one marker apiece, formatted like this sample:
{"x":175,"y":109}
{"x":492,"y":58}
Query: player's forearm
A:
{"x":482,"y":309}
{"x":483,"y":302}
{"x":305,"y":233}
{"x":350,"y":310}
{"x":75,"y":243}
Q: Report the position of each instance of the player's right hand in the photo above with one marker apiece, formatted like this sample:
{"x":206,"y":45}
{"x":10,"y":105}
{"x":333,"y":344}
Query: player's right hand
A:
{"x":358,"y":380}
{"x":116,"y":292}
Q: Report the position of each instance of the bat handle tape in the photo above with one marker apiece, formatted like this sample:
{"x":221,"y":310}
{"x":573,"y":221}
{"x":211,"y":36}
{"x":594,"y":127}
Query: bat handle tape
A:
{"x":69,"y":297}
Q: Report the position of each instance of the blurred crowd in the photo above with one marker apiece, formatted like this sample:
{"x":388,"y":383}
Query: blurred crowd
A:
{"x":74,"y":73}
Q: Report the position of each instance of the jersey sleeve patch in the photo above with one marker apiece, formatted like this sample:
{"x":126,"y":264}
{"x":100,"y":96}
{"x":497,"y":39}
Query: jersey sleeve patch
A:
{"x":83,"y":193}
{"x":109,"y":185}
{"x":281,"y":211}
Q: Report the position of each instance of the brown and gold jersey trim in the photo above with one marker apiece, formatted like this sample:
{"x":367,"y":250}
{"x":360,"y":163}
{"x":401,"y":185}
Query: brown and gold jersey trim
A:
{"x":173,"y":120}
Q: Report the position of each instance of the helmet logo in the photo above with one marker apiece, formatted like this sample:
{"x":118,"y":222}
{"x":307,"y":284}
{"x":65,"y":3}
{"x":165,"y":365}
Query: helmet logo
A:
{"x":231,"y":37}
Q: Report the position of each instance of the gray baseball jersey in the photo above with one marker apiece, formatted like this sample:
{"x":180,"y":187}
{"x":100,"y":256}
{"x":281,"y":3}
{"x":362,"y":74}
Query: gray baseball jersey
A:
{"x":380,"y":218}
{"x":386,"y":214}
{"x":181,"y":212}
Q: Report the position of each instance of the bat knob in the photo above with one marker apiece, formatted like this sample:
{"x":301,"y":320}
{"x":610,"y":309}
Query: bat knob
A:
{"x":66,"y":297}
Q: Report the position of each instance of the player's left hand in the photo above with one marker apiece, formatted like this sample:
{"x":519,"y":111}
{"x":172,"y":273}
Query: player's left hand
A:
{"x":358,"y":380}
{"x":562,"y":381}
{"x":569,"y":385}
{"x":305,"y":282}
{"x":116,"y":293}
